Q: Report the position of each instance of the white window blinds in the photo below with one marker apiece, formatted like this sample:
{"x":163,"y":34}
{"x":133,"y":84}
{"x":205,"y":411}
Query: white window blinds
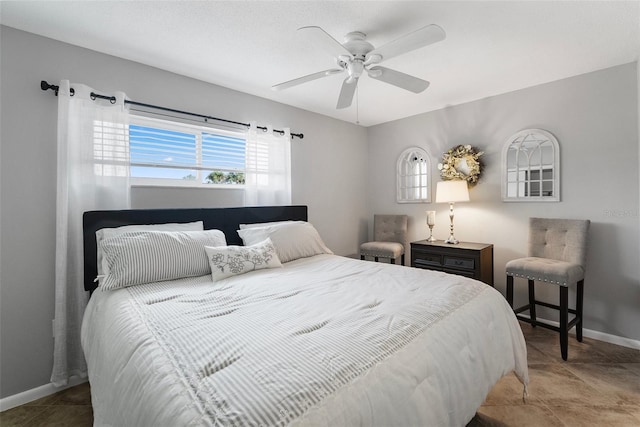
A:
{"x":163,"y":150}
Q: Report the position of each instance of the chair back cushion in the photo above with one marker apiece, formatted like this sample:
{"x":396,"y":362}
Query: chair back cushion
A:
{"x":559,"y":239}
{"x":390,"y":228}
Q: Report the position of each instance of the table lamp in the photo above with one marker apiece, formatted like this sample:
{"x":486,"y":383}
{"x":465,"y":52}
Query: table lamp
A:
{"x":451,"y":192}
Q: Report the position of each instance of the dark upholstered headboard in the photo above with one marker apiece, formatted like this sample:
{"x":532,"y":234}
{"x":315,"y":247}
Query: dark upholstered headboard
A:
{"x":225,"y":219}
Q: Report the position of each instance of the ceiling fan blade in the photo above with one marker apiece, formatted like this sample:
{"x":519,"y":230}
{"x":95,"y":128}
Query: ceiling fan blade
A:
{"x":307,"y":78}
{"x":346,"y":93}
{"x":396,"y":78}
{"x":324,"y":41}
{"x":415,"y":40}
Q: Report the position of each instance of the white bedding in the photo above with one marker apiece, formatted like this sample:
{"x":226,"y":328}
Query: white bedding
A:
{"x":325,"y":340}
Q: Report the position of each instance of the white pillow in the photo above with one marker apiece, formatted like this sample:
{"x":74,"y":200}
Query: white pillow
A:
{"x":229,"y":261}
{"x":151,"y":256}
{"x":292,"y":241}
{"x":105,"y":233}
{"x":266,"y":224}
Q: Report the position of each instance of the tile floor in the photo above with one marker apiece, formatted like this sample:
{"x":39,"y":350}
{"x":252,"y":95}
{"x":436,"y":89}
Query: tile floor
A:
{"x":598,"y":386}
{"x":68,"y":408}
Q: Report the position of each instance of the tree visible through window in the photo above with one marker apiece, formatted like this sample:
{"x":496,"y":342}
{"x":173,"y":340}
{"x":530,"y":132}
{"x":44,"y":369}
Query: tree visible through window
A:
{"x":172,"y":153}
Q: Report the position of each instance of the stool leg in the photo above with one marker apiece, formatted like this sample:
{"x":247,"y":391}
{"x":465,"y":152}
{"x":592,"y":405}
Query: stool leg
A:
{"x":510,"y":290}
{"x":532,"y":303}
{"x":564,"y":320}
{"x":579,"y":299}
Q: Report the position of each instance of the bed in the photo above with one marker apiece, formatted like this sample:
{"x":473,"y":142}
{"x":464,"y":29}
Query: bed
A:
{"x":319,"y":339}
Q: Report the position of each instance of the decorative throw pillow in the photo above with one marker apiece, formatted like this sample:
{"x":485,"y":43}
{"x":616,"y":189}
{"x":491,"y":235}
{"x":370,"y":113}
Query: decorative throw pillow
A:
{"x":229,"y":261}
{"x":292,"y":241}
{"x":151,"y":256}
{"x":105,"y":233}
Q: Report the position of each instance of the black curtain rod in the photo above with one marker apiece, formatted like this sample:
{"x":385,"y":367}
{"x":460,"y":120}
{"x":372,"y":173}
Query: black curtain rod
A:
{"x":46,"y":86}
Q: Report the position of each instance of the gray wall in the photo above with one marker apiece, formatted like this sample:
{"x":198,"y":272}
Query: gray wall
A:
{"x":343,"y":172}
{"x":595,"y":119}
{"x":328,"y":173}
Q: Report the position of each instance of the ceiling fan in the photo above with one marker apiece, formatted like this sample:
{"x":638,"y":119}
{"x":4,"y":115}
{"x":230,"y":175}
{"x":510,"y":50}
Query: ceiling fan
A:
{"x":357,"y":55}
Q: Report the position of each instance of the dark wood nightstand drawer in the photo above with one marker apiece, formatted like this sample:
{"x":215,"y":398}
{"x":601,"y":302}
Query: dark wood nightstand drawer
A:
{"x":428,"y":259}
{"x":464,"y":263}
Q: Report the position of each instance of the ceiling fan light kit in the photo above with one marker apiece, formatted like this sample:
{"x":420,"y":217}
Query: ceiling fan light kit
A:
{"x":357,"y":56}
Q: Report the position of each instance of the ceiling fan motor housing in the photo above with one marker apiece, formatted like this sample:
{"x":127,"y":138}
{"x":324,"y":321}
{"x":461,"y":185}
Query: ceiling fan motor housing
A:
{"x":355,"y":43}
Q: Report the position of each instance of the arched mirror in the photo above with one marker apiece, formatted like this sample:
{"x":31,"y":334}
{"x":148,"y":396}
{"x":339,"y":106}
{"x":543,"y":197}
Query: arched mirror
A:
{"x":531,"y":167}
{"x":413,"y":183}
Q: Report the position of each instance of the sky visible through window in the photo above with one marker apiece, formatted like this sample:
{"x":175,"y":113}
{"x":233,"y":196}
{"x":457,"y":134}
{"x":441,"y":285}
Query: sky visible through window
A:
{"x":171,"y":154}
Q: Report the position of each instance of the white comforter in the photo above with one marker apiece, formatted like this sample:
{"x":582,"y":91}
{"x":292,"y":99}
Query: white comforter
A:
{"x":324,"y":340}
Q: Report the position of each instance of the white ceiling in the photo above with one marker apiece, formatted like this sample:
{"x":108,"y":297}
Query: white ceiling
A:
{"x":491,"y":47}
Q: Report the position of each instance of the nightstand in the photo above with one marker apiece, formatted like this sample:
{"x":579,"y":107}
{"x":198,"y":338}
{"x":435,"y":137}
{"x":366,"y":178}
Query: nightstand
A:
{"x":473,"y":260}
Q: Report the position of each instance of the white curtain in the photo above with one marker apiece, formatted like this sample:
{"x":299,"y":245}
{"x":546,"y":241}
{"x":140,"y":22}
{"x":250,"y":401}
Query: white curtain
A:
{"x":93,"y":174}
{"x":268,"y":168}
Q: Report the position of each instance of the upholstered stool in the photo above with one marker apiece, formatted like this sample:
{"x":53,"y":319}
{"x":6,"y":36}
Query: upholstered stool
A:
{"x":389,"y":235}
{"x":557,"y":255}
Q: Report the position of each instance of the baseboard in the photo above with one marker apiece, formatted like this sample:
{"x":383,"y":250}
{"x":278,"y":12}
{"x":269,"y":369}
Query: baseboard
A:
{"x":9,"y":402}
{"x":612,"y":339}
{"x":596,"y":335}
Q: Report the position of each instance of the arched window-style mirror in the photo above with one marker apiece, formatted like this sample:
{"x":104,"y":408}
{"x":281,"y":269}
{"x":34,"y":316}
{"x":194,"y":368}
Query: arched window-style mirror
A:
{"x":531,"y":167}
{"x":413,"y":181}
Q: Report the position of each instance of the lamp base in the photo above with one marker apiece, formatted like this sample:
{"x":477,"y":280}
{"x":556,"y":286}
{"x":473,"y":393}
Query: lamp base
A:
{"x":452,"y":240}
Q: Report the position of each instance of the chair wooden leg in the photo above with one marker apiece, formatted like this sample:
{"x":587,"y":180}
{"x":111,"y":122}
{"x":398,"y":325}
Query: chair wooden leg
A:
{"x":579,"y":299}
{"x":510,"y":290}
{"x":532,"y":303}
{"x":564,"y":320}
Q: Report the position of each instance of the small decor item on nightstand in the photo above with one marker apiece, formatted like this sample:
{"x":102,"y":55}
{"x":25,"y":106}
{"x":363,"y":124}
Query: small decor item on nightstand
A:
{"x":461,"y":162}
{"x":431,"y":221}
{"x":451,"y":192}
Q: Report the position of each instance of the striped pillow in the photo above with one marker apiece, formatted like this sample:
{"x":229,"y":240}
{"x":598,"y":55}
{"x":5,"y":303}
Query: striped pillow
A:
{"x":151,"y":256}
{"x":292,"y":240}
{"x":105,"y":233}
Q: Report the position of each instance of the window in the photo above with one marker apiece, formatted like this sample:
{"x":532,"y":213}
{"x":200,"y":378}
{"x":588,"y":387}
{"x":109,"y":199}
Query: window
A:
{"x":172,"y":153}
{"x":413,"y":184}
{"x":531,"y":161}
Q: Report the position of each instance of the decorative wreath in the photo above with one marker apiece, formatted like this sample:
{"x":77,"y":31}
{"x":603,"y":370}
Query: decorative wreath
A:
{"x":461,"y":162}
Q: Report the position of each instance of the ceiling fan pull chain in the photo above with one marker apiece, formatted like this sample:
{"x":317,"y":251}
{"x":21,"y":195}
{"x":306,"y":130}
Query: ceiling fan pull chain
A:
{"x":357,"y":106}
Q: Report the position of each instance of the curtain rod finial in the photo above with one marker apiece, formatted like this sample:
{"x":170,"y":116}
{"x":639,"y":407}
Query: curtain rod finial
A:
{"x":44,"y":85}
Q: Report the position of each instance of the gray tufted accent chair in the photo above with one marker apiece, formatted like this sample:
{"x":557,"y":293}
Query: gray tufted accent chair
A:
{"x":557,"y":255}
{"x":389,"y":235}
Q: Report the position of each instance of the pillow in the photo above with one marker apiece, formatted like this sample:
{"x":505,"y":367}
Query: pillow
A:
{"x":229,"y":261}
{"x":292,"y":241}
{"x":141,"y":257}
{"x":265,"y":224}
{"x":105,"y":233}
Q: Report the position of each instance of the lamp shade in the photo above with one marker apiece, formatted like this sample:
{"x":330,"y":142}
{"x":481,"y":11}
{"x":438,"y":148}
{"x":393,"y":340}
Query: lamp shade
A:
{"x":452,"y":191}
